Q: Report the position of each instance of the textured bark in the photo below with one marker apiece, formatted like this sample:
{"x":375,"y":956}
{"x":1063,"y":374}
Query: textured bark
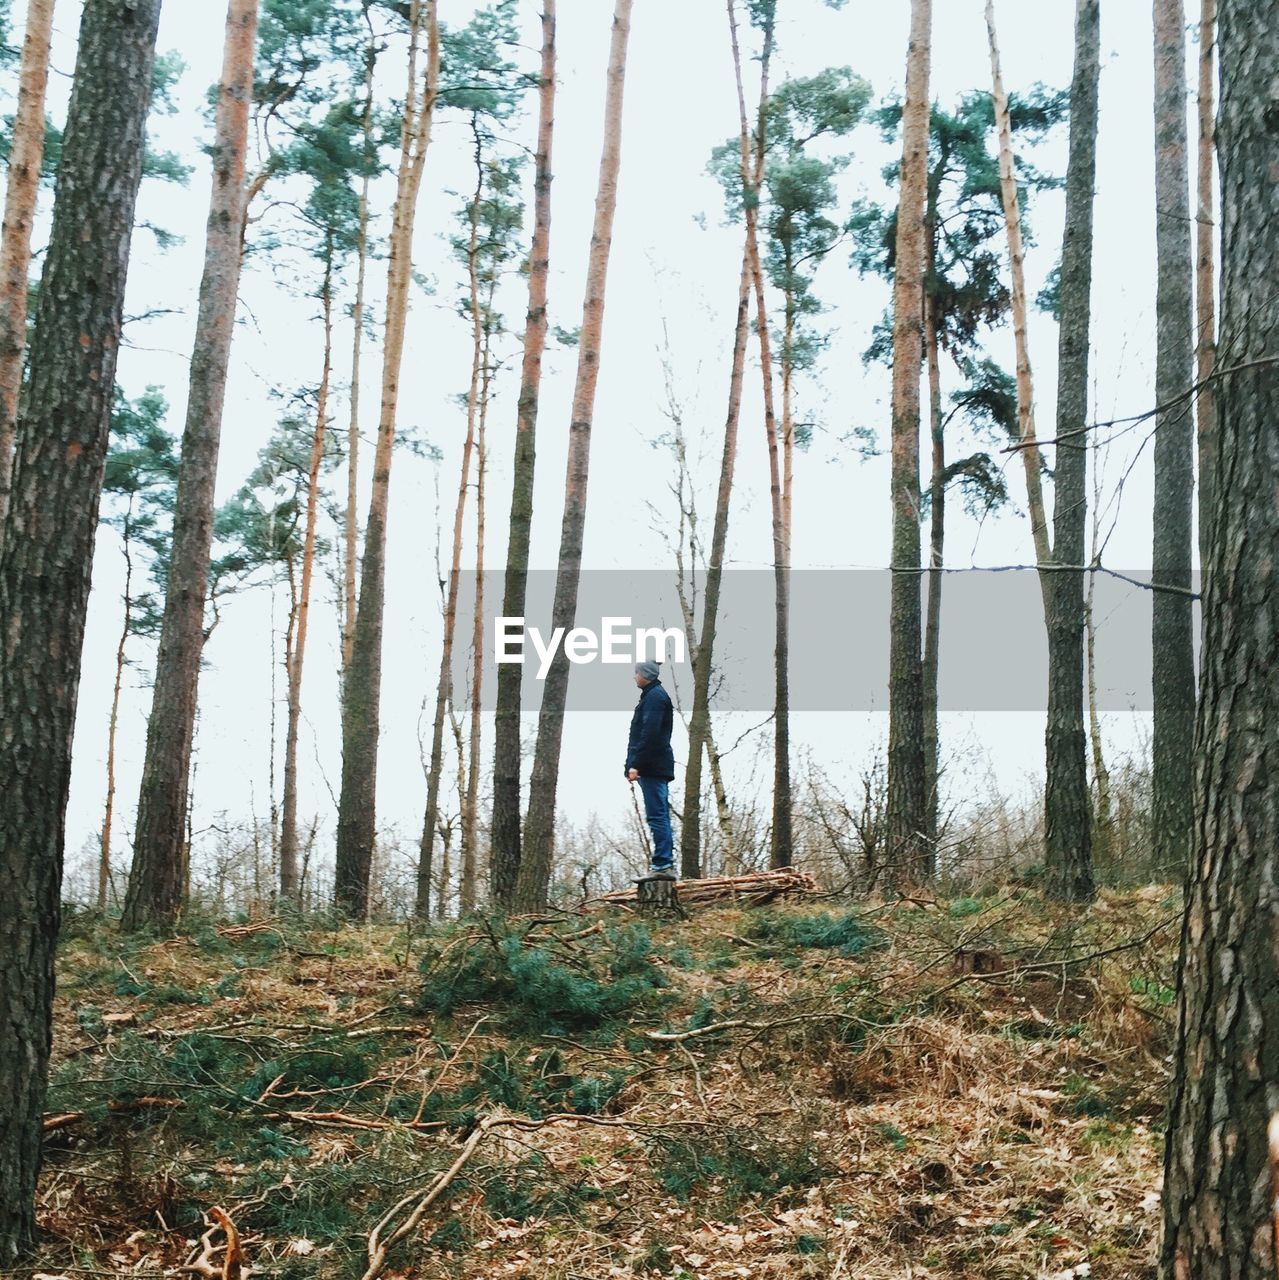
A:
{"x":699,"y":725}
{"x":361,"y":719}
{"x":539,"y":840}
{"x":113,"y":720}
{"x":1205,"y":282}
{"x":444,"y":685}
{"x":1067,"y":809}
{"x":1016,"y":260}
{"x":1218,"y":1196}
{"x":936,"y":559}
{"x":908,"y":852}
{"x":290,"y":882}
{"x":1103,"y":821}
{"x":46,"y":563}
{"x":1172,"y":625}
{"x":156,"y":877}
{"x":351,"y":524}
{"x":26,"y":151}
{"x":505,"y":866}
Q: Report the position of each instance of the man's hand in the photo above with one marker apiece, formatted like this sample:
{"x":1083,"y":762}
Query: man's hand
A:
{"x":632,"y":775}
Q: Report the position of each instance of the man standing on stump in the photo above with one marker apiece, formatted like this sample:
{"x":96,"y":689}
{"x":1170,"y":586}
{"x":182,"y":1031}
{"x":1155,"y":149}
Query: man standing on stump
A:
{"x":651,"y":763}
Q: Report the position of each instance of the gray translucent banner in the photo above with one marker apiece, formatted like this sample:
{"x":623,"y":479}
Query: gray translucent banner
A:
{"x":993,"y":651}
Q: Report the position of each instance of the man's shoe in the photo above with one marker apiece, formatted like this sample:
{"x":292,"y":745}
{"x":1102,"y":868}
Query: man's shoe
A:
{"x":665,"y":873}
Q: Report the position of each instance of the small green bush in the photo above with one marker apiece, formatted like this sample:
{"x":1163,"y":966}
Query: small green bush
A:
{"x":735,"y":1165}
{"x":845,"y":934}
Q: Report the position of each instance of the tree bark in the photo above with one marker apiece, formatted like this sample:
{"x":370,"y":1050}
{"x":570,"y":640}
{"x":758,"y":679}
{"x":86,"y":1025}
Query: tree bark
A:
{"x":908,"y":853}
{"x":444,"y":686}
{"x":26,"y":152}
{"x":539,"y":841}
{"x":1205,"y":283}
{"x":45,"y":567}
{"x":361,"y":719}
{"x":1103,"y":825}
{"x":155,"y":881}
{"x":1016,"y":259}
{"x":1067,"y":810}
{"x":505,"y":837}
{"x":699,"y":725}
{"x":936,"y":559}
{"x":351,"y":529}
{"x":113,"y":720}
{"x":1218,"y":1196}
{"x":290,"y":885}
{"x":1172,"y":624}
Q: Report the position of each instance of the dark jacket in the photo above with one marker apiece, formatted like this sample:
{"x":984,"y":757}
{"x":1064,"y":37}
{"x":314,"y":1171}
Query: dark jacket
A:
{"x":649,"y":748}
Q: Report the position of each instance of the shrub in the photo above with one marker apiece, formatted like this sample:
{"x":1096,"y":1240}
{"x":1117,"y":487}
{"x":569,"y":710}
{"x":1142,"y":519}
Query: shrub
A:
{"x":845,"y":934}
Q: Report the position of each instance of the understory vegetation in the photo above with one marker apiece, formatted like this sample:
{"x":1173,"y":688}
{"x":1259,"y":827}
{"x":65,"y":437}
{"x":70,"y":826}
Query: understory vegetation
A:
{"x":971,"y":1086}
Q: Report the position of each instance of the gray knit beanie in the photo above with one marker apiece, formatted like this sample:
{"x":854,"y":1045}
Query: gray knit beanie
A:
{"x":649,"y":670}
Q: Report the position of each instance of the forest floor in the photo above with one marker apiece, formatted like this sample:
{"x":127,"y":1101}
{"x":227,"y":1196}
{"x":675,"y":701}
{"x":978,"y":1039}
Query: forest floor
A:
{"x":952,"y":1088}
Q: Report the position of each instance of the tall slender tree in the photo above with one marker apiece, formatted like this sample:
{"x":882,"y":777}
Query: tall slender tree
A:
{"x":506,"y":842}
{"x":157,"y":876}
{"x":539,"y":840}
{"x":26,"y":151}
{"x":1067,"y":811}
{"x":909,"y":854}
{"x":1205,"y":272}
{"x":357,"y":817}
{"x":1172,"y":622}
{"x":63,"y":429}
{"x":1221,"y":1139}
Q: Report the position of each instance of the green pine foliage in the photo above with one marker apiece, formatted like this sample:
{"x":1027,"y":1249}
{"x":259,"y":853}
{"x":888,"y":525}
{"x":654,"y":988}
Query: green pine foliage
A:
{"x":846,"y":934}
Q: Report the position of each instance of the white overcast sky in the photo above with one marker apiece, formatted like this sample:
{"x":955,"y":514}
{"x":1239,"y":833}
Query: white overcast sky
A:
{"x":674,"y":269}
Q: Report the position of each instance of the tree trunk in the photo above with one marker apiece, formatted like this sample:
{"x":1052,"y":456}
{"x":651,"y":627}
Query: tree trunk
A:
{"x":1067,"y":810}
{"x":113,"y":721}
{"x":444,"y":687}
{"x":1103,"y":824}
{"x":357,"y":804}
{"x":505,"y":837}
{"x":63,"y":431}
{"x":1205,"y":285}
{"x":289,"y":882}
{"x":539,"y":843}
{"x":699,"y":725}
{"x":1219,"y":1219}
{"x":908,"y":854}
{"x":467,"y":888}
{"x":1173,"y":613}
{"x":1016,"y":259}
{"x":936,"y":558}
{"x":351,"y":529}
{"x":26,"y":152}
{"x":155,"y":881}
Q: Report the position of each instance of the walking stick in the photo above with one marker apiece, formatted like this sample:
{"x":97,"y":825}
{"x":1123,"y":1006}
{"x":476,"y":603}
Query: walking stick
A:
{"x":639,"y":817}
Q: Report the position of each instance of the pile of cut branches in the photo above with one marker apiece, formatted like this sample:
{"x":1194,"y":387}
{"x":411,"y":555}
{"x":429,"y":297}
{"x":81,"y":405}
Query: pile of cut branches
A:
{"x":753,"y":889}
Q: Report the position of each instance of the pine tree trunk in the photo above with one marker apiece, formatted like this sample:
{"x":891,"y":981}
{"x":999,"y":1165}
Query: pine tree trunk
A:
{"x":444,"y":686}
{"x":26,"y":153}
{"x":908,"y":854}
{"x":1103,"y":823}
{"x":1067,"y":807}
{"x":539,"y":839}
{"x":1172,"y":628}
{"x":63,"y":431}
{"x":113,"y":721}
{"x":351,"y":524}
{"x":1219,"y":1221}
{"x":936,"y":559}
{"x":505,"y":837}
{"x":155,"y":882}
{"x":729,"y":861}
{"x":1016,"y":258}
{"x":1205,"y":284}
{"x":699,"y":725}
{"x":290,"y":885}
{"x":361,"y":717}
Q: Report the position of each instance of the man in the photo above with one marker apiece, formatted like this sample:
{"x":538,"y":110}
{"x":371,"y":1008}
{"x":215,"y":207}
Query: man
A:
{"x":651,"y":763}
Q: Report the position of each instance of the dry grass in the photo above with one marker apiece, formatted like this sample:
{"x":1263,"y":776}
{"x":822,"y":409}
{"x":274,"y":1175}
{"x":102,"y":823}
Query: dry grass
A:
{"x":882,"y":1113}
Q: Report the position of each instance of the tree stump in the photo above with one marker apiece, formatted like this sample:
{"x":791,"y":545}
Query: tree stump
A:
{"x":657,"y":895}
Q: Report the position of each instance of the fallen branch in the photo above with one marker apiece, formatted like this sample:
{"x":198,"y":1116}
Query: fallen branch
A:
{"x":757,"y":887}
{"x":202,"y":1264}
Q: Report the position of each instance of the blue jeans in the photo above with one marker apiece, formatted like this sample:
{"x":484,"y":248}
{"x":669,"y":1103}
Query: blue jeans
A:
{"x":657,"y":810}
